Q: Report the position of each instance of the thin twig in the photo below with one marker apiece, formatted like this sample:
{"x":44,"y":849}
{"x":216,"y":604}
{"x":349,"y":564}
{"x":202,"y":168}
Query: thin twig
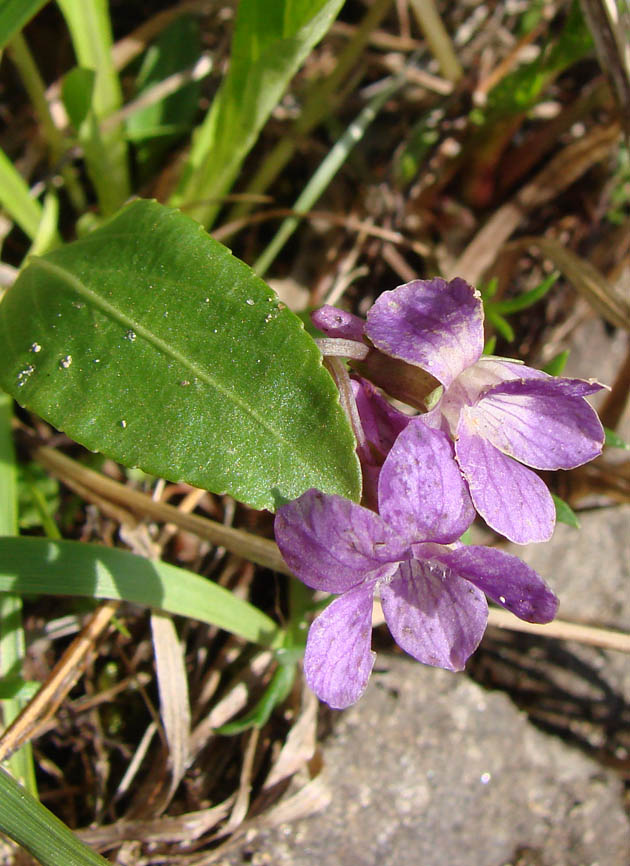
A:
{"x":561,"y":629}
{"x":59,"y":682}
{"x":259,"y":550}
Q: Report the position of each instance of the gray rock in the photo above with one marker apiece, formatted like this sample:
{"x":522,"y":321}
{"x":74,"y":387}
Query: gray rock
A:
{"x":428,"y":769}
{"x":589,"y":569}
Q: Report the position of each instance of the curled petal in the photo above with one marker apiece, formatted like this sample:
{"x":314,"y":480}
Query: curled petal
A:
{"x":338,"y":323}
{"x":512,"y":499}
{"x":421,"y":491}
{"x":506,"y":579}
{"x":433,"y":324}
{"x":477,"y":380}
{"x":332,"y":544}
{"x":543,"y":423}
{"x":338,"y":660}
{"x":433,"y":614}
{"x":496,"y":370}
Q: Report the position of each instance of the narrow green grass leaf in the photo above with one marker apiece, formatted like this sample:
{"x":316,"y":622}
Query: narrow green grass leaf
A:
{"x":35,"y":828}
{"x":12,"y":643}
{"x":37,"y":566}
{"x":19,"y":689}
{"x":8,"y":470}
{"x":606,"y":298}
{"x":557,"y":364}
{"x":490,"y":345}
{"x":502,"y":325}
{"x":321,"y":98}
{"x":156,"y":127}
{"x":526,"y":299}
{"x":149,"y":342}
{"x":16,"y":199}
{"x":270,"y":42}
{"x":614,"y":440}
{"x":275,"y":693}
{"x":564,"y":512}
{"x":14,"y":15}
{"x":325,"y":173}
{"x":105,"y":152}
{"x":77,"y":88}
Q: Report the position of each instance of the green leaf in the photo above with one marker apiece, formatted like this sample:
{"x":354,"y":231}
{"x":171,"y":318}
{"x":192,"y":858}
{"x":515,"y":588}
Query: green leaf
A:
{"x":76,"y":91}
{"x":614,"y":440}
{"x":490,"y":345}
{"x":105,"y":150}
{"x":270,"y":42}
{"x":176,"y":49}
{"x":275,"y":693}
{"x":26,"y":821}
{"x":526,"y":299}
{"x":148,"y":341}
{"x":38,"y":497}
{"x":326,"y":171}
{"x":557,"y":363}
{"x":8,"y":470}
{"x":12,"y":642}
{"x":36,"y":566}
{"x":15,"y":687}
{"x":564,"y":512}
{"x":16,"y":199}
{"x":502,"y":325}
{"x":519,"y":90}
{"x":14,"y":15}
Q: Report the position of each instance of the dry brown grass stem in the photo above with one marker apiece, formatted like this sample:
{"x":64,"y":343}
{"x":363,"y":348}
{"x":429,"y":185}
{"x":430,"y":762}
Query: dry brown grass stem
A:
{"x":58,"y":683}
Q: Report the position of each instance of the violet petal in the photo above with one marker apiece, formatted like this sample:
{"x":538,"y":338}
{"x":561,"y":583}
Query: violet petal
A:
{"x":421,"y":491}
{"x":506,"y":579}
{"x":543,"y":423}
{"x":504,"y":369}
{"x":433,"y":614}
{"x":332,"y":544}
{"x":338,"y":323}
{"x":433,"y":324}
{"x":338,"y":660}
{"x":512,"y":499}
{"x":381,"y":422}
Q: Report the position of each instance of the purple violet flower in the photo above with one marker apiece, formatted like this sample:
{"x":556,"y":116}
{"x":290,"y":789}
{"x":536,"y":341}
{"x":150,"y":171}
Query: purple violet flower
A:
{"x":500,"y":414}
{"x":381,"y":423}
{"x":431,"y":587}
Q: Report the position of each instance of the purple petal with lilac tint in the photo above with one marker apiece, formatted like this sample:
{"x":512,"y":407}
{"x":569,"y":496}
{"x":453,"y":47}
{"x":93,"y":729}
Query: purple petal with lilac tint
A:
{"x":506,"y":579}
{"x":338,"y":660}
{"x":421,"y":492}
{"x":338,"y":323}
{"x":543,"y":423}
{"x":434,"y":615}
{"x":512,"y":499}
{"x":380,"y":421}
{"x":332,"y":544}
{"x":429,"y":323}
{"x":504,"y":370}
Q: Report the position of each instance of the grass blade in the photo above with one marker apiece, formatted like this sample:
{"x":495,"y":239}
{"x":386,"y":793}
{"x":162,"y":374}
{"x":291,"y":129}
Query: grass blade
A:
{"x":35,"y":828}
{"x":106,"y":157}
{"x":271,"y":40}
{"x":39,"y":566}
{"x":16,"y":198}
{"x":325,"y":173}
{"x":12,"y":643}
{"x":14,"y":15}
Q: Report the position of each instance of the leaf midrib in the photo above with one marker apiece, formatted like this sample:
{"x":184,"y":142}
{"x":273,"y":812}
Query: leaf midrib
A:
{"x":159,"y":344}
